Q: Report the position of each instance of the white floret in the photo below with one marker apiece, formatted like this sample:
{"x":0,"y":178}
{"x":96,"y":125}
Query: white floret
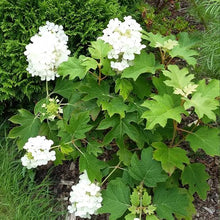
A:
{"x":38,"y":152}
{"x":125,"y":39}
{"x":47,"y":50}
{"x":85,"y":198}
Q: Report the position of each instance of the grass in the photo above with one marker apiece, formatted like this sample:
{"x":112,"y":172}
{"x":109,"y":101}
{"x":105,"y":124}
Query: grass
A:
{"x":21,"y":197}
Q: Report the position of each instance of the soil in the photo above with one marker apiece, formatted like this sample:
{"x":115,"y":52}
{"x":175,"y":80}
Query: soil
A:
{"x":64,"y":176}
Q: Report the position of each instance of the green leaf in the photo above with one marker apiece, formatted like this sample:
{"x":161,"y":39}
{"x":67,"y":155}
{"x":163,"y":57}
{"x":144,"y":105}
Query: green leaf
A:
{"x":143,"y":63}
{"x":130,"y":216}
{"x":73,"y":67}
{"x":92,"y":165}
{"x":59,"y":157}
{"x":116,"y":199}
{"x":142,"y":86}
{"x":124,"y":86}
{"x":106,"y":68}
{"x":146,"y":200}
{"x":29,"y":127}
{"x":135,"y":200}
{"x":147,"y":170}
{"x":196,"y":177}
{"x":77,"y":126}
{"x":64,"y":87}
{"x":156,"y":38}
{"x":123,"y":153}
{"x":88,"y":62}
{"x":203,"y":105}
{"x":170,"y":201}
{"x":115,"y":106}
{"x":99,"y":49}
{"x":183,"y":49}
{"x":95,"y":91}
{"x":210,"y":90}
{"x":66,"y":149}
{"x":151,"y":217}
{"x":160,"y":85}
{"x":206,"y":139}
{"x":170,"y":158}
{"x":162,"y":108}
{"x":120,"y":127}
{"x":178,"y":78}
{"x":94,"y":147}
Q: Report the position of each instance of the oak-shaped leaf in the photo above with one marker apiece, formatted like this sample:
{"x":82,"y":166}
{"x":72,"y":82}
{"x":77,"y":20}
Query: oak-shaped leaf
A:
{"x":92,"y":165}
{"x":184,"y":49}
{"x":72,"y":67}
{"x":162,"y":108}
{"x":76,"y":127}
{"x":207,"y":139}
{"x":116,"y":199}
{"x":178,"y":78}
{"x":143,"y":63}
{"x":196,"y":177}
{"x":29,"y":127}
{"x":203,"y":105}
{"x":115,"y":106}
{"x":99,"y":49}
{"x":146,"y":169}
{"x":170,"y":158}
{"x":120,"y":127}
{"x":124,"y":87}
{"x":171,"y":201}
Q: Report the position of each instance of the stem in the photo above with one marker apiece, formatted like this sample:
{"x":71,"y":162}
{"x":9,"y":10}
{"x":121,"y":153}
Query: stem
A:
{"x":94,"y":74}
{"x":77,"y":148}
{"x":47,"y":88}
{"x":180,"y":129}
{"x":100,"y":74}
{"x":141,"y":207}
{"x":168,"y":62}
{"x":162,"y":56}
{"x":115,"y":168}
{"x":174,"y":132}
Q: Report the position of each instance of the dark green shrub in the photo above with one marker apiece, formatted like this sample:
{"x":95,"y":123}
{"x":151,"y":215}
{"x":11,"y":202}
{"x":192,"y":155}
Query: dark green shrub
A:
{"x":20,"y":19}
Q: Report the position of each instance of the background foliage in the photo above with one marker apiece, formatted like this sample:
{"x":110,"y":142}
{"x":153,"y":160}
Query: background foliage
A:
{"x":20,"y":19}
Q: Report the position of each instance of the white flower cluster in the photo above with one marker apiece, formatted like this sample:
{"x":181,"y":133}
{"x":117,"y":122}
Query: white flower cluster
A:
{"x":47,"y":51}
{"x":52,"y":109}
{"x":37,"y":152}
{"x":125,"y":39}
{"x":85,"y":198}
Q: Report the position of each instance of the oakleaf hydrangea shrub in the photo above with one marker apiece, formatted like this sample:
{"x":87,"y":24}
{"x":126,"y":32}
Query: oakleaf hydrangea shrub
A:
{"x":20,"y":20}
{"x":148,"y":116}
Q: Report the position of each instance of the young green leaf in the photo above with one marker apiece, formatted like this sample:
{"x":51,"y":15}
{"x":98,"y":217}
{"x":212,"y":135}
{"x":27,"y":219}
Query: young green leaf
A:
{"x":183,"y":49}
{"x":92,"y":165}
{"x":130,"y":216}
{"x":170,"y":158}
{"x":203,"y":105}
{"x":170,"y":201}
{"x":178,"y":78}
{"x":162,"y":108}
{"x":146,"y":200}
{"x":73,"y":67}
{"x":156,"y":39}
{"x":143,"y":63}
{"x":151,"y":217}
{"x":146,"y":169}
{"x":135,"y":200}
{"x":115,"y":106}
{"x":94,"y":147}
{"x":116,"y":199}
{"x":29,"y":127}
{"x":196,"y":177}
{"x":99,"y":49}
{"x":124,"y":86}
{"x":207,"y":139}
